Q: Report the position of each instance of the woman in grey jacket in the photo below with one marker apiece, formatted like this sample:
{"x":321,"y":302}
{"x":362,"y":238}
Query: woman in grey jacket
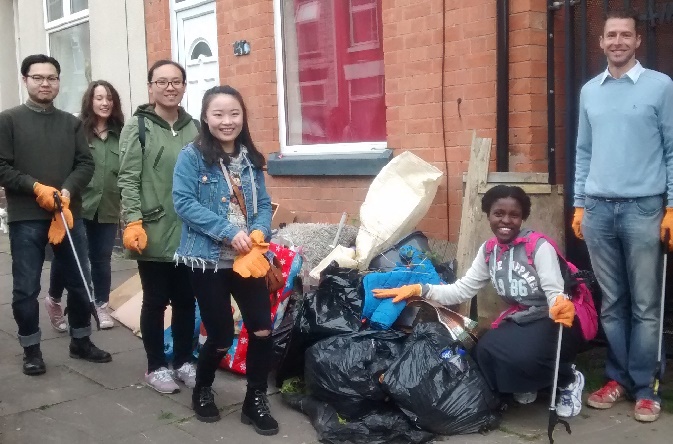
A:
{"x":518,"y":355}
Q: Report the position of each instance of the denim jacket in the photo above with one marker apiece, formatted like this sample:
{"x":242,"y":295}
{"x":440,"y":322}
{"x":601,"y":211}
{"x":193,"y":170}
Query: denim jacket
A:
{"x":201,"y":196}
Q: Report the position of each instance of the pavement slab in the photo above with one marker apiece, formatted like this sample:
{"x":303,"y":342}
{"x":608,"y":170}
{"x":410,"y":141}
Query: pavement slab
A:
{"x":118,"y":413}
{"x":21,"y":393}
{"x":33,"y":427}
{"x":293,"y":427}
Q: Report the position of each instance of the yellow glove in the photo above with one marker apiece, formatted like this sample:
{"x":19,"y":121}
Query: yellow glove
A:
{"x":563,"y":311}
{"x":257,"y":237}
{"x":134,"y":237}
{"x":577,"y":222}
{"x":45,"y":196}
{"x":667,"y":229}
{"x":253,"y":264}
{"x":56,"y":229}
{"x":400,"y":293}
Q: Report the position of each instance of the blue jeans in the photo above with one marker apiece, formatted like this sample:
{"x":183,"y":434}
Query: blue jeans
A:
{"x":622,"y":237}
{"x":100,"y":242}
{"x":27,"y":240}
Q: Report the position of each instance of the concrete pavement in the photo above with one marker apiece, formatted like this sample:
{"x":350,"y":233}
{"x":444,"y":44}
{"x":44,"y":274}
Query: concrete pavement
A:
{"x":80,"y":402}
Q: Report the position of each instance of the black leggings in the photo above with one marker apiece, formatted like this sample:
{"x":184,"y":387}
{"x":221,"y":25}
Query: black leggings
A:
{"x":212,"y":291}
{"x":519,"y":358}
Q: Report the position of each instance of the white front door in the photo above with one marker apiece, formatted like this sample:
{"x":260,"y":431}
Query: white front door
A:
{"x":197,"y":52}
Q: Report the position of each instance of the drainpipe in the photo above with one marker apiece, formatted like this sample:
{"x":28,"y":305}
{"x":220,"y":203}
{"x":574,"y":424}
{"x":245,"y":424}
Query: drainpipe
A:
{"x":551,"y":95}
{"x":502,"y":85}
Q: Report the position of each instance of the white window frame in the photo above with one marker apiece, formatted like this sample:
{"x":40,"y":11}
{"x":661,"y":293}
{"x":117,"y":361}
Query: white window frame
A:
{"x":67,"y":21}
{"x":64,"y":22}
{"x":316,"y":149}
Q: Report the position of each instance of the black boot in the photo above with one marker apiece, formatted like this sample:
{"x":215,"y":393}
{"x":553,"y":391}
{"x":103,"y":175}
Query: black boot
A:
{"x":256,"y":412}
{"x":83,"y":348}
{"x":203,"y":403}
{"x":33,"y":364}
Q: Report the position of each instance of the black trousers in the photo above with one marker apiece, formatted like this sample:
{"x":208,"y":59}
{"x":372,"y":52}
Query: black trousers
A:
{"x":213,"y":290}
{"x":518,"y":358}
{"x":164,"y":283}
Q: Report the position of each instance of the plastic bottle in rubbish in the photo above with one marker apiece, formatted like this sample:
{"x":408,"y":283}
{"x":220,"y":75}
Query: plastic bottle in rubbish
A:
{"x":459,"y":361}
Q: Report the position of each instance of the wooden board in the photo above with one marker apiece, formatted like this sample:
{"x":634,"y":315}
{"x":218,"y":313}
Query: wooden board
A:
{"x":477,"y":175}
{"x":125,"y":291}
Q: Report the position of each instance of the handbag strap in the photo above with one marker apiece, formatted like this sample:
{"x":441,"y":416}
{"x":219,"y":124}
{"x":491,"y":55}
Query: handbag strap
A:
{"x":236,"y":191}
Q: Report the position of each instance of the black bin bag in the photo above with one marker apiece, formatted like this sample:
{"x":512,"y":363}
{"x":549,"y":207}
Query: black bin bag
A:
{"x":435,"y":394}
{"x":334,"y":308}
{"x":386,"y":426}
{"x":344,"y":370}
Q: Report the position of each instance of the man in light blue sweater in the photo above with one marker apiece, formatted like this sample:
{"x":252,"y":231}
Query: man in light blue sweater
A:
{"x":624,"y":208}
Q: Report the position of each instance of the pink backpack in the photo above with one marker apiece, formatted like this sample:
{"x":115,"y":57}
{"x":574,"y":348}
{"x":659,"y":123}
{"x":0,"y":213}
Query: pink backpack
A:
{"x":575,"y":283}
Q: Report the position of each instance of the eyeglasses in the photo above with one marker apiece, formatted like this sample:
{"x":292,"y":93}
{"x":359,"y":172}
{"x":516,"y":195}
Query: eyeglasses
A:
{"x":164,"y":83}
{"x":53,"y":80}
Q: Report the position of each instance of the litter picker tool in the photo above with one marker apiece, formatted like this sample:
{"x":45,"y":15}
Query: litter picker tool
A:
{"x":656,"y":380}
{"x":553,"y":416}
{"x":92,"y":304}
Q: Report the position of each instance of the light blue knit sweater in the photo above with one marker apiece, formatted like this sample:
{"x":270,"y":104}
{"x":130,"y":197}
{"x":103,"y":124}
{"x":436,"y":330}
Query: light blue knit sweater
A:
{"x":625,"y":138}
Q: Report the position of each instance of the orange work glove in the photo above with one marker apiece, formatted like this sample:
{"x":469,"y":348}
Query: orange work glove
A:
{"x":563,"y":311}
{"x":667,"y":229}
{"x":134,"y":237}
{"x":577,"y":222}
{"x":253,"y":264}
{"x":257,"y":237}
{"x":56,"y":229}
{"x":400,"y":293}
{"x":45,"y":196}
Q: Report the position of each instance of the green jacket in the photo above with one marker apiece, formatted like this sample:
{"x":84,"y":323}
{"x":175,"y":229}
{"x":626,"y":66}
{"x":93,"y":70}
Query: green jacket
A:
{"x":146,"y":179}
{"x":101,"y":195}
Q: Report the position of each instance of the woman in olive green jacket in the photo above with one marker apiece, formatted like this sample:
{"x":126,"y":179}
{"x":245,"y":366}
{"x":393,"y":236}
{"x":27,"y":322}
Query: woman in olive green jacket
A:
{"x":152,"y":232}
{"x":103,"y":120}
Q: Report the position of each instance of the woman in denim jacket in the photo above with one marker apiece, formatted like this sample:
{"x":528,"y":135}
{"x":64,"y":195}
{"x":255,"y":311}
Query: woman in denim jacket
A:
{"x":223,"y":242}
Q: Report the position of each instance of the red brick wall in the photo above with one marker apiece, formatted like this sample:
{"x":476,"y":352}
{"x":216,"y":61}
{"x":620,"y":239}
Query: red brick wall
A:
{"x":157,"y":30}
{"x":412,"y":43}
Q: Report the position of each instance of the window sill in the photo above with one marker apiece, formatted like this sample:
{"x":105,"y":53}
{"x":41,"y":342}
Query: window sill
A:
{"x":355,"y":164}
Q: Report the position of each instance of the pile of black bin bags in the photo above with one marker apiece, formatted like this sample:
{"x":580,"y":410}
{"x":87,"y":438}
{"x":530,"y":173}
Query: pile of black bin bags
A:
{"x":373,"y":386}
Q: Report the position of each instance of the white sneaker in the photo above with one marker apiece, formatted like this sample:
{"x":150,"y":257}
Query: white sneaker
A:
{"x":525,"y":398}
{"x":104,"y":317}
{"x":162,"y":381}
{"x":187,"y":374}
{"x":570,"y":397}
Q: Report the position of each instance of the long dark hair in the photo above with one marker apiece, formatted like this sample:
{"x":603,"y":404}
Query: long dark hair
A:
{"x":210,"y":147}
{"x":89,"y":118}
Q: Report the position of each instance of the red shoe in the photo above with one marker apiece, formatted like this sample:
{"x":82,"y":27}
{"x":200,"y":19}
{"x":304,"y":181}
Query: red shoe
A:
{"x":605,"y":397}
{"x":647,"y":410}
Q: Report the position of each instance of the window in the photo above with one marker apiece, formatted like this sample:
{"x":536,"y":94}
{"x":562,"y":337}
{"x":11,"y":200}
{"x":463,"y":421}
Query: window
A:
{"x":67,"y":25}
{"x":330,"y":76}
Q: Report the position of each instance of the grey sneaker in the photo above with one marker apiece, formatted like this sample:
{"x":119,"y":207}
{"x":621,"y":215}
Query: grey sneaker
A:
{"x":162,"y":381}
{"x":104,"y":317}
{"x":55,"y":312}
{"x":187,"y":374}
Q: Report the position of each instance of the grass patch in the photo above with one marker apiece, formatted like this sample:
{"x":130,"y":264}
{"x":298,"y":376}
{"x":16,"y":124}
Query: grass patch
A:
{"x":166,"y":416}
{"x":44,"y":407}
{"x":293,"y":386}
